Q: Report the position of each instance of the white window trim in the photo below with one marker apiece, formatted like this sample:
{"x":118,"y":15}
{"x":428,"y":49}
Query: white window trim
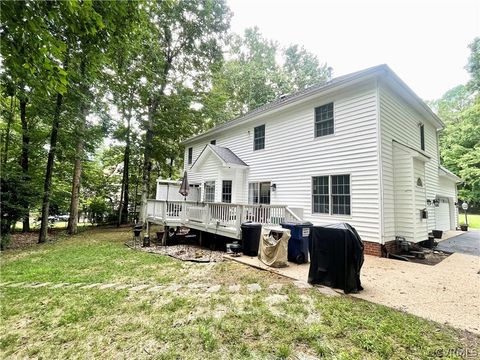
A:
{"x":258,"y":189}
{"x":330,"y":205}
{"x":205,"y":191}
{"x":315,"y":137}
{"x":264,"y":138}
{"x":231,"y":193}
{"x":189,"y":160}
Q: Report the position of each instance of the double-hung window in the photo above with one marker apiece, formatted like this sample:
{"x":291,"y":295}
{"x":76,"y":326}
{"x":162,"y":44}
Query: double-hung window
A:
{"x":331,"y":195}
{"x":324,"y":123}
{"x":341,"y":194}
{"x":320,"y":195}
{"x":190,"y":155}
{"x":259,"y":137}
{"x":209,"y":191}
{"x":227,"y":191}
{"x":422,"y":137}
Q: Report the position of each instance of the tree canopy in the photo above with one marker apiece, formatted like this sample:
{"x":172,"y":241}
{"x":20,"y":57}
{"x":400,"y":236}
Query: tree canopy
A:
{"x":459,"y":108}
{"x":97,"y":96}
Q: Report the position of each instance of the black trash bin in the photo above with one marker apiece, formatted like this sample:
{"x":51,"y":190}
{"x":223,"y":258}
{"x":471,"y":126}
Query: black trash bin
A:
{"x":298,"y":243}
{"x":251,"y":232}
{"x":336,"y":257}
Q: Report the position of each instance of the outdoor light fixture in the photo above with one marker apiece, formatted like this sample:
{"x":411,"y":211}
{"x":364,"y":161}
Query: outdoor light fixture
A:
{"x":429,"y":202}
{"x":274,"y":187}
{"x":436,"y":202}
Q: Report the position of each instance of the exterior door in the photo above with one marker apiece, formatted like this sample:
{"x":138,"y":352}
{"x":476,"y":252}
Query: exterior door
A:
{"x":259,"y":193}
{"x":442,"y":215}
{"x":264,"y":193}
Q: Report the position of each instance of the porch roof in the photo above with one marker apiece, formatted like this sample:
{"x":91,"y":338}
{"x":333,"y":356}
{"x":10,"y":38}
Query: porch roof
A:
{"x":442,"y":171}
{"x":225,"y":155}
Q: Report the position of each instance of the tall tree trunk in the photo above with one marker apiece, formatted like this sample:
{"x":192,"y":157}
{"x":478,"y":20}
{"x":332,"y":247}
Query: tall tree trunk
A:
{"x":49,"y":172}
{"x":120,"y":207}
{"x":147,"y":161}
{"x":24,"y":159}
{"x":135,"y":197}
{"x":77,"y":168}
{"x":77,"y":173}
{"x":123,"y":210}
{"x":11,"y":116}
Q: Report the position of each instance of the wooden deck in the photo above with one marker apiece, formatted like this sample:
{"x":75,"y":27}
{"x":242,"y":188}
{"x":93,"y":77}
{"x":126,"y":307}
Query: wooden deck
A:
{"x":219,"y":218}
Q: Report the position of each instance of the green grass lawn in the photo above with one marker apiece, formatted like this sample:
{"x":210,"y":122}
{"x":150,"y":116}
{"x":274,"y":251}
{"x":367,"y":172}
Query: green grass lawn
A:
{"x":473,"y":220}
{"x":191,"y":323}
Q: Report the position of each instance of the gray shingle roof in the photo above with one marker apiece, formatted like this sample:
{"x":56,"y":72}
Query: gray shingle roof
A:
{"x":292,"y":97}
{"x":227,"y":155}
{"x":283,"y":100}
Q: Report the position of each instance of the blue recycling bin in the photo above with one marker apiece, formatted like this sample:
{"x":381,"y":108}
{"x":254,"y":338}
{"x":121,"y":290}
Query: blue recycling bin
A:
{"x":298,"y":243}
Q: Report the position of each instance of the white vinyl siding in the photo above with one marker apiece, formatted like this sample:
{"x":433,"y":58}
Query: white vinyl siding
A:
{"x":400,"y":122}
{"x":421,"y":231}
{"x":292,"y":155}
{"x":448,"y":189}
{"x":403,"y":193}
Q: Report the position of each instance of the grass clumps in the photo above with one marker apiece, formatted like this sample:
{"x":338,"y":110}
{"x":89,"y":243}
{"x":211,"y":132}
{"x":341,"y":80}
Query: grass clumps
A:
{"x":184,"y":320}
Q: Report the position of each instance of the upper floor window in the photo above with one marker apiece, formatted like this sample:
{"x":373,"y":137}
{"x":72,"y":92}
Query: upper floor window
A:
{"x":259,"y":137}
{"x":213,"y":142}
{"x":324,"y":124}
{"x":227,"y":191}
{"x":422,"y":137}
{"x":209,"y":191}
{"x":190,"y":155}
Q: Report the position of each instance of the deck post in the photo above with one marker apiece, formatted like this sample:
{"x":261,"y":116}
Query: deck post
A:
{"x":163,"y":209}
{"x":206,"y":219}
{"x":238,"y":222}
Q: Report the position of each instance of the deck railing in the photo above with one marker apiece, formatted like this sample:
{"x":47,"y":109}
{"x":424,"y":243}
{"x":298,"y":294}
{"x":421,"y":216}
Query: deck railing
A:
{"x":218,"y":214}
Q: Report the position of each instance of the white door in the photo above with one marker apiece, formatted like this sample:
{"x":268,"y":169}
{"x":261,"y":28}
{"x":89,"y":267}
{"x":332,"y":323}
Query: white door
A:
{"x":442,"y":215}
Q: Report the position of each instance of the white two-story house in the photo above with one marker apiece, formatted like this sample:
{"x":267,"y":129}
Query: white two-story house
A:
{"x":361,"y":148}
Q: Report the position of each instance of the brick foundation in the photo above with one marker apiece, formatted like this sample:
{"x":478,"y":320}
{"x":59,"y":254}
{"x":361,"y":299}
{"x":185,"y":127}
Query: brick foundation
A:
{"x":375,"y":249}
{"x":372,"y":248}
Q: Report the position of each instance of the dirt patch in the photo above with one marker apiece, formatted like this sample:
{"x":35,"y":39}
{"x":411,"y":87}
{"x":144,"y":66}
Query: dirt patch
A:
{"x":192,"y":253}
{"x":20,"y":241}
{"x":432,"y":257}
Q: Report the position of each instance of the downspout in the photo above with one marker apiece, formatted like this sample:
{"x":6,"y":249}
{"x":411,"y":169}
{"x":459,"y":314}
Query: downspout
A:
{"x":380,"y":163}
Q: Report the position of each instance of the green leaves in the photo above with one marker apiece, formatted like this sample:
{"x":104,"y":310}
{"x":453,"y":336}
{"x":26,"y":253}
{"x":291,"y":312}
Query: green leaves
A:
{"x":257,"y":72}
{"x":459,"y":108}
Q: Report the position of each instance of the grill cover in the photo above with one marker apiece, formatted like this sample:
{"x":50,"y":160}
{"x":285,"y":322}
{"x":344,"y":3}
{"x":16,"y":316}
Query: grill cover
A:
{"x":336,"y":257}
{"x":274,"y":247}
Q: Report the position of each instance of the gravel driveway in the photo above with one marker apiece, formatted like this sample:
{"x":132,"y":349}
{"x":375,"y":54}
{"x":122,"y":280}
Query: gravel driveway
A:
{"x":448,"y":292}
